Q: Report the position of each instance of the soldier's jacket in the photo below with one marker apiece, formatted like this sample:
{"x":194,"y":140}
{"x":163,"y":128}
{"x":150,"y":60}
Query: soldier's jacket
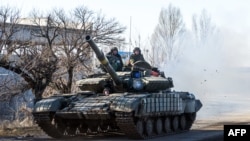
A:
{"x":115,"y":61}
{"x":134,"y":58}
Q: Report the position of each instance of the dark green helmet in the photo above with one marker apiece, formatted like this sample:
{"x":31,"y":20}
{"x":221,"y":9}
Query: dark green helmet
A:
{"x":137,"y":48}
{"x":114,"y":48}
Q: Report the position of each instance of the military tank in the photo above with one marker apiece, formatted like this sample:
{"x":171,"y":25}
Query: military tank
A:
{"x":133,"y":102}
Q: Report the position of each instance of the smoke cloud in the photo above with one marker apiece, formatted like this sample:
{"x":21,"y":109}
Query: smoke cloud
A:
{"x":217,"y":73}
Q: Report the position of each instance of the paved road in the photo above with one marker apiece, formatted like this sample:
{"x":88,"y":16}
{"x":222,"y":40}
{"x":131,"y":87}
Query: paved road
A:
{"x":202,"y":130}
{"x":194,"y":135}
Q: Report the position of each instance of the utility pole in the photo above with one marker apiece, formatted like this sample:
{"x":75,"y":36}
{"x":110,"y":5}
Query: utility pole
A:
{"x":130,"y":42}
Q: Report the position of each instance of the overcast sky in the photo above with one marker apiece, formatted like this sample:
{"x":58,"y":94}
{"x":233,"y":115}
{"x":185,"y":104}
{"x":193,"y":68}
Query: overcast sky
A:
{"x":232,"y":14}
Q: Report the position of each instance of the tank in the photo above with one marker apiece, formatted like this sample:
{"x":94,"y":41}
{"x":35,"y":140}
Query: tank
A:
{"x":135,"y":103}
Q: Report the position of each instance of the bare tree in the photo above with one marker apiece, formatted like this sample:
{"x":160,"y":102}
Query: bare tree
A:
{"x":202,"y":27}
{"x":8,"y":21}
{"x":108,"y":31}
{"x":66,"y":38}
{"x":73,"y":50}
{"x":51,"y":49}
{"x":167,"y":34}
{"x":10,"y":84}
{"x":71,"y":46}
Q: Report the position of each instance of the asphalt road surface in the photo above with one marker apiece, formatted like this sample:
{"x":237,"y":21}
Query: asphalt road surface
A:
{"x":202,"y":130}
{"x":194,"y":135}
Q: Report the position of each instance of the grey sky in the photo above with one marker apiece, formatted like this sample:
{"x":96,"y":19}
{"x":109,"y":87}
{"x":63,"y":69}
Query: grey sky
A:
{"x":230,"y":14}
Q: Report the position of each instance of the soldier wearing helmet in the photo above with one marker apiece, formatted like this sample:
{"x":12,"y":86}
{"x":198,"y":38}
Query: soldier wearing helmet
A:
{"x":115,"y":59}
{"x":136,"y":56}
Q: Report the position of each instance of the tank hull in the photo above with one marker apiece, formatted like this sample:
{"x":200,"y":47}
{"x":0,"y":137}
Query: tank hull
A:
{"x":165,"y":112}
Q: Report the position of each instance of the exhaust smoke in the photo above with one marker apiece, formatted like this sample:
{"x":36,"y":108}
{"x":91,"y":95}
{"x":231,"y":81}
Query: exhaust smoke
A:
{"x":217,"y":72}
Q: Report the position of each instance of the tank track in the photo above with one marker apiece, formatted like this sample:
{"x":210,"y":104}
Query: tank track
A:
{"x":60,"y":129}
{"x":45,"y":123}
{"x":134,"y":127}
{"x":127,"y":123}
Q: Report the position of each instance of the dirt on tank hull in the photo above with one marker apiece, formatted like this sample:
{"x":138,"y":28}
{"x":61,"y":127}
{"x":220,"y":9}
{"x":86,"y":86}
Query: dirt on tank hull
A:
{"x":140,"y":105}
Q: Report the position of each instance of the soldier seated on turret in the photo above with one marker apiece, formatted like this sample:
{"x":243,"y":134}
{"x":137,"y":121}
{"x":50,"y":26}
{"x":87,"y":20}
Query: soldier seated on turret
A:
{"x":136,"y":56}
{"x":133,"y":58}
{"x":115,"y":59}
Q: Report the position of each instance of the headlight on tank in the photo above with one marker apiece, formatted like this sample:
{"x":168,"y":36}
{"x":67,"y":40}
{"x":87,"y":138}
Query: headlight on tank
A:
{"x":138,"y":84}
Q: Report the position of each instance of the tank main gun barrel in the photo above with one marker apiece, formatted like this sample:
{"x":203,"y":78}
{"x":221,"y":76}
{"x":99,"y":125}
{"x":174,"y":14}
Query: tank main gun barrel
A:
{"x":103,"y":60}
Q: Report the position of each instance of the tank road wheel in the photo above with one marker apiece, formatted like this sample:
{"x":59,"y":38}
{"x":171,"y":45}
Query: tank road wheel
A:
{"x":149,"y":127}
{"x":60,"y":128}
{"x":167,"y":125}
{"x":175,"y":123}
{"x":73,"y":131}
{"x":66,"y":132}
{"x":158,"y":126}
{"x":82,"y":128}
{"x":140,"y":127}
{"x":78,"y":131}
{"x":70,"y":130}
{"x":183,"y":122}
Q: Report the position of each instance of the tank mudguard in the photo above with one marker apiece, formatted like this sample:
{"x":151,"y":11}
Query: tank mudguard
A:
{"x":49,"y":105}
{"x":198,"y":105}
{"x":192,"y":105}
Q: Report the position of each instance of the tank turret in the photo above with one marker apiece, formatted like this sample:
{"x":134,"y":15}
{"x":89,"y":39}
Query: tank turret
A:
{"x":137,"y":80}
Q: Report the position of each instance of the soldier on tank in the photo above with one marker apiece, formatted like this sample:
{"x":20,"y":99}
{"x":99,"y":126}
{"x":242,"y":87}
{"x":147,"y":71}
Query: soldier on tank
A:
{"x":115,"y":59}
{"x":136,"y":56}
